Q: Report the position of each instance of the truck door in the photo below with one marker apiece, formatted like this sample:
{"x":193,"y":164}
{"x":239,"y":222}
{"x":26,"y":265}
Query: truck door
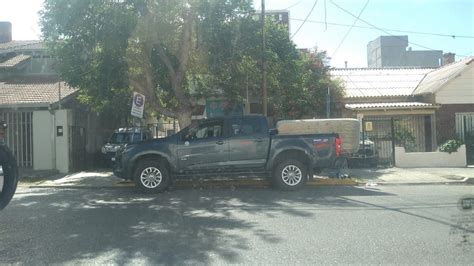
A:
{"x":204,"y":147}
{"x":248,"y":142}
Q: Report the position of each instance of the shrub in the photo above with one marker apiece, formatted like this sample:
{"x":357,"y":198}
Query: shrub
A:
{"x":451,"y":145}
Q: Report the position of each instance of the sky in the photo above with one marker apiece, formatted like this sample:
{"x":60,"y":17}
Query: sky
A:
{"x":449,"y":17}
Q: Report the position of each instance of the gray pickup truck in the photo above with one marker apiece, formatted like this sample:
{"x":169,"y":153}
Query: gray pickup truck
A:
{"x":240,"y":146}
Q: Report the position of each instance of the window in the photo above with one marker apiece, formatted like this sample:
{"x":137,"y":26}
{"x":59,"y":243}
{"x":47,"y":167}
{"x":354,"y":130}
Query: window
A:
{"x":245,"y":127}
{"x":204,"y":131}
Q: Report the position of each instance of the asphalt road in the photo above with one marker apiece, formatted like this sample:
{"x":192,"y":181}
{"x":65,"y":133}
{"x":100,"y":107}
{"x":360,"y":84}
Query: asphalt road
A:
{"x":384,"y":224}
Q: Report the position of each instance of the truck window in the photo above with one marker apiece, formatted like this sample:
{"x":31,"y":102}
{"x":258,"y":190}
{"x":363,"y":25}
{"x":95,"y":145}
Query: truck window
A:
{"x":207,"y":130}
{"x":246,"y":126}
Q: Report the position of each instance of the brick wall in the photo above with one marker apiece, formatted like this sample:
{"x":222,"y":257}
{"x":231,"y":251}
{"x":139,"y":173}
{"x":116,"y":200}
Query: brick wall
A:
{"x":446,"y":122}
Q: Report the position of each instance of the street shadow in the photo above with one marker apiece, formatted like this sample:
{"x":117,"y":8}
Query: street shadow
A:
{"x":183,"y":226}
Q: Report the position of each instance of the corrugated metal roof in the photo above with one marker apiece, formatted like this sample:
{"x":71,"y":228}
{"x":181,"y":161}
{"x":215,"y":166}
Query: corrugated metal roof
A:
{"x":398,"y":105}
{"x":12,"y":62}
{"x":31,"y":92}
{"x":379,"y":82}
{"x":436,"y":79}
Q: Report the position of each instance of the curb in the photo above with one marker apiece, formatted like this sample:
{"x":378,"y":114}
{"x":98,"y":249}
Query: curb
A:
{"x":200,"y":184}
{"x":260,"y":183}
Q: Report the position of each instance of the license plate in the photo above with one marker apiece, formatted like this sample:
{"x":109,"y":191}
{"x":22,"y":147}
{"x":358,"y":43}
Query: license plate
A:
{"x":113,"y":159}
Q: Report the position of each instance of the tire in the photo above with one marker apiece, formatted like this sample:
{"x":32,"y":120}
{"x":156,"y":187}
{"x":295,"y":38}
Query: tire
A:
{"x":151,"y":177}
{"x":290,"y":175}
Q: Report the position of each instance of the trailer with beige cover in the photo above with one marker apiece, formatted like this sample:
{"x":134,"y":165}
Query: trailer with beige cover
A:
{"x":347,"y":128}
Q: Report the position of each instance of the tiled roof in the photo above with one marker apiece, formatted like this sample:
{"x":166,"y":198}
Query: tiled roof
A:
{"x":16,"y":45}
{"x":31,"y":46}
{"x":399,"y":105}
{"x":33,"y":93}
{"x":379,"y":82}
{"x":436,"y":79}
{"x":12,"y":62}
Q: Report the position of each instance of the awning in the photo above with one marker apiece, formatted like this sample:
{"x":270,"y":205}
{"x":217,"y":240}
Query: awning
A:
{"x":385,"y":106}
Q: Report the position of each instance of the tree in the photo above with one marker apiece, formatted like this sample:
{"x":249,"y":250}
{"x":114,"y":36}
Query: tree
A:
{"x":177,"y":52}
{"x":88,"y":39}
{"x":170,"y":50}
{"x":317,"y":80}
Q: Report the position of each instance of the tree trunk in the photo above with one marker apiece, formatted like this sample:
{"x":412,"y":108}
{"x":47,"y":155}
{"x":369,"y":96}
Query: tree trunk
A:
{"x":184,"y":119}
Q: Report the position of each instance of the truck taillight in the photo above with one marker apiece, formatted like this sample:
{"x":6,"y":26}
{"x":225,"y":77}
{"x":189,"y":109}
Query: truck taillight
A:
{"x":338,"y":146}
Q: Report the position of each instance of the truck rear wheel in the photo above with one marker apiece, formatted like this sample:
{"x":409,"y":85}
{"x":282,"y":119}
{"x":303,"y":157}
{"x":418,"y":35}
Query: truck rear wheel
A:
{"x":151,"y":177}
{"x":290,"y":175}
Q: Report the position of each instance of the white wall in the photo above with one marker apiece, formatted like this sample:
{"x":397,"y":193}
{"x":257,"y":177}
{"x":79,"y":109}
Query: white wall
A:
{"x":49,"y":150}
{"x":64,"y":119}
{"x":430,"y":159}
{"x":42,"y":141}
{"x":459,"y":91}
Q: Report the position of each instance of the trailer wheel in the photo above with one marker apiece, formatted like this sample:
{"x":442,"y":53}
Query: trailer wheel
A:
{"x":151,"y":177}
{"x":290,"y":175}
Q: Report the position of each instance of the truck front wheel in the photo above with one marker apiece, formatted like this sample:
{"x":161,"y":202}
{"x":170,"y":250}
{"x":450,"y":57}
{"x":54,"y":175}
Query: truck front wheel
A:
{"x":151,"y":177}
{"x":290,"y":175}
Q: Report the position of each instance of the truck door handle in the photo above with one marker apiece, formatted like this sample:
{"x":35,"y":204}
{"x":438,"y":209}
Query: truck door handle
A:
{"x":259,"y":140}
{"x":219,"y":142}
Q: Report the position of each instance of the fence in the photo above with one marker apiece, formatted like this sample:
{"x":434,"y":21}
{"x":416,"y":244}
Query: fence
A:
{"x":413,"y":132}
{"x":19,"y":136}
{"x":162,"y":130}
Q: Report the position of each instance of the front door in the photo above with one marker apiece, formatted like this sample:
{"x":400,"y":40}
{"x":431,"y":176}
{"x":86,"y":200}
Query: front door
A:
{"x":248,"y":143}
{"x":203,"y":147}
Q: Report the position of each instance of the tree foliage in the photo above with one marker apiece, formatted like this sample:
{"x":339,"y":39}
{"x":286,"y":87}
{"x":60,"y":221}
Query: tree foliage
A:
{"x":88,"y":39}
{"x":177,"y":52}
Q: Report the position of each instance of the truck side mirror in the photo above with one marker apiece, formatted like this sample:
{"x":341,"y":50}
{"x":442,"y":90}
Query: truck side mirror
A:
{"x":273,"y":131}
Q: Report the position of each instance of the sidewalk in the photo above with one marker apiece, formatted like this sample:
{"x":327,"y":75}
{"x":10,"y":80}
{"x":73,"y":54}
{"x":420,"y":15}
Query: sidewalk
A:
{"x":388,"y":176}
{"x":415,"y":175}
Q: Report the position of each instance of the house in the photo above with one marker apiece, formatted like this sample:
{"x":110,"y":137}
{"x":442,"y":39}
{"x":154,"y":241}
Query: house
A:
{"x":417,"y":108}
{"x":382,"y":99}
{"x":452,"y":88}
{"x":48,"y":129}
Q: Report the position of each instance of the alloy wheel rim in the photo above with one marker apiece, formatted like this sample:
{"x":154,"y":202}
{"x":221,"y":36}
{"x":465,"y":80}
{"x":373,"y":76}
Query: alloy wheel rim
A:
{"x":151,"y":177}
{"x":291,"y":175}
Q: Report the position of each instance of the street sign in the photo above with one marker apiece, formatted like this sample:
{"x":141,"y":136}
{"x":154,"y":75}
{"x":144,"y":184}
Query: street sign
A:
{"x":138,"y":105}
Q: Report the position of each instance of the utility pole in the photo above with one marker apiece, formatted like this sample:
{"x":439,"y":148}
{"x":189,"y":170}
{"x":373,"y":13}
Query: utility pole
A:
{"x":328,"y":104}
{"x":59,"y":94}
{"x":264,"y":63}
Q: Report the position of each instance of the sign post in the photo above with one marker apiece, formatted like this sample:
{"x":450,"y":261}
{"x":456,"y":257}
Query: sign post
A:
{"x":138,"y":105}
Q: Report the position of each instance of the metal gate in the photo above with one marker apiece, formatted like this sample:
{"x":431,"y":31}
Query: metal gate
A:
{"x":465,"y":131}
{"x":19,"y":136}
{"x":464,"y":124}
{"x":413,"y":132}
{"x":379,"y":130}
{"x":77,"y":148}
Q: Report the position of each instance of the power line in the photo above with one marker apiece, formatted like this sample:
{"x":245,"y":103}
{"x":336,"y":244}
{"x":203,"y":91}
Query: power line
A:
{"x":349,"y":30}
{"x":295,"y":4}
{"x":454,"y":36}
{"x":309,"y":14}
{"x":380,"y":29}
{"x":325,"y":17}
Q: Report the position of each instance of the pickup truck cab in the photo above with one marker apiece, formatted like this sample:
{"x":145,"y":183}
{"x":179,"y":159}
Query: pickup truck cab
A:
{"x":241,"y":146}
